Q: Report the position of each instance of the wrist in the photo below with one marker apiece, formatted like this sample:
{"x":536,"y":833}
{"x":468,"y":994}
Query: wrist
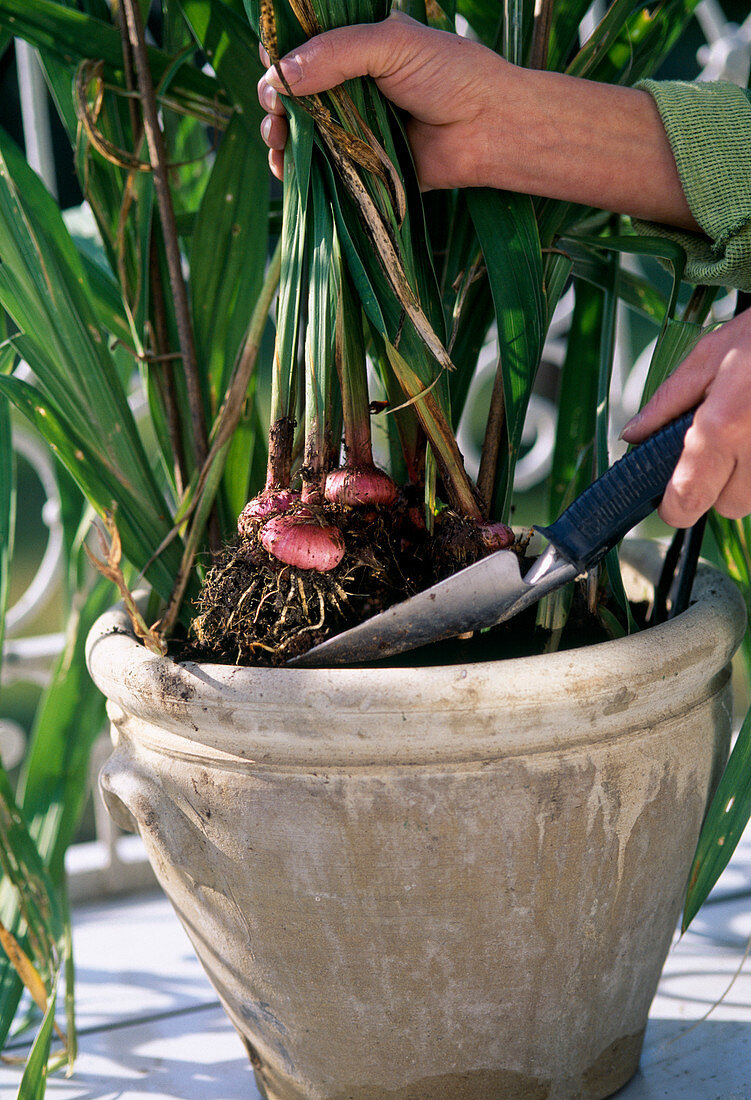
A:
{"x":508,"y":147}
{"x":579,"y":141}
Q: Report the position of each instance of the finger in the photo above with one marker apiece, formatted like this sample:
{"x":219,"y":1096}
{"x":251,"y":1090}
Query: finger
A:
{"x":269,"y":99}
{"x":734,"y":502}
{"x":703,"y":471}
{"x":341,"y":54}
{"x":276,"y":163}
{"x":265,"y":59}
{"x":274,"y":132}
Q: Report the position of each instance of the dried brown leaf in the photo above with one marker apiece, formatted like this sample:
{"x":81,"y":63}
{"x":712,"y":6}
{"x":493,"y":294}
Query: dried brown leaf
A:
{"x":24,"y":967}
{"x":110,"y":568}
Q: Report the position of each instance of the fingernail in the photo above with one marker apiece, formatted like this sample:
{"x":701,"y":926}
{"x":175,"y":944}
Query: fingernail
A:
{"x":266,"y":129}
{"x":268,"y":97}
{"x":291,"y":71}
{"x":633,"y":423}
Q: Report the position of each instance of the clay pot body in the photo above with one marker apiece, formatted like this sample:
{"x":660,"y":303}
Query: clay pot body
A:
{"x":418,"y":884}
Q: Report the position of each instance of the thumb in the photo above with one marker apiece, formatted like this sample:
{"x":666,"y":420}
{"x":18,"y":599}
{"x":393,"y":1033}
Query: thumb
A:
{"x":334,"y":56}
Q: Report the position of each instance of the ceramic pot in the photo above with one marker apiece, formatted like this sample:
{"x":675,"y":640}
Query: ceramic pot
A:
{"x":445,"y":882}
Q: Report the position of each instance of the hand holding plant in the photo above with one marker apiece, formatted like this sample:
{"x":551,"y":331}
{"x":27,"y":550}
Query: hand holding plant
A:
{"x":474,"y":120}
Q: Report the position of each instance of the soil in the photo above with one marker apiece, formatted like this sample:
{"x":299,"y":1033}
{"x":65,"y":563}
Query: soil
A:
{"x":255,"y":610}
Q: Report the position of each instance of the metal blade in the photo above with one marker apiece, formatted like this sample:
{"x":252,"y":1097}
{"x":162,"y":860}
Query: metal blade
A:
{"x":481,"y":595}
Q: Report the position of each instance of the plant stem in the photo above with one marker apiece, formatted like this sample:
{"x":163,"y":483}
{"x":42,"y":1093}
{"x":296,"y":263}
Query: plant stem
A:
{"x":319,"y":345}
{"x":130,"y":81}
{"x":512,"y":31}
{"x":158,"y":158}
{"x":699,"y":304}
{"x":543,"y":19}
{"x":461,"y":492}
{"x":353,"y":377}
{"x":163,"y":372}
{"x":491,"y":447}
{"x":231,"y":408}
{"x":283,"y":379}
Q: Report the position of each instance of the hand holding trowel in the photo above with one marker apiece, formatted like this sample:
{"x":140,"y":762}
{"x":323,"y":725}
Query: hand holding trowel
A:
{"x":493,"y":590}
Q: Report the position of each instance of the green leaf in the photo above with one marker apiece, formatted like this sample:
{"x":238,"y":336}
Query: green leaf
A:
{"x":34,"y":1081}
{"x":352,"y":242}
{"x":438,"y":432}
{"x":43,"y":287}
{"x":733,"y":538}
{"x":105,"y":182}
{"x":54,"y":783}
{"x":71,"y":1032}
{"x":573,"y":455}
{"x":485,"y":19}
{"x":570,"y":474}
{"x":289,"y":305}
{"x":675,"y":342}
{"x":140,"y":528}
{"x":645,"y":40}
{"x":106,"y":299}
{"x":28,"y":902}
{"x":467,"y":302}
{"x":245,"y":468}
{"x":671,"y":253}
{"x":564,"y":32}
{"x":228,"y":254}
{"x":24,"y":872}
{"x":558,"y":270}
{"x":639,"y":294}
{"x":74,"y":36}
{"x":232,"y":51}
{"x":507,"y":232}
{"x":723,"y":826}
{"x":7,"y":513}
{"x":319,"y":333}
{"x":83,"y":410}
{"x":602,"y":38}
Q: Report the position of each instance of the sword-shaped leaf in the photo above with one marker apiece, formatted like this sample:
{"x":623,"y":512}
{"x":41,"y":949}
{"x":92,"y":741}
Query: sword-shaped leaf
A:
{"x":507,"y":232}
{"x":7,"y":514}
{"x":74,"y":36}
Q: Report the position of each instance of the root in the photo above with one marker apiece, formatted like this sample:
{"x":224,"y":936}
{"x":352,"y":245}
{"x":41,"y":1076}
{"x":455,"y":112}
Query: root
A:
{"x":255,"y":610}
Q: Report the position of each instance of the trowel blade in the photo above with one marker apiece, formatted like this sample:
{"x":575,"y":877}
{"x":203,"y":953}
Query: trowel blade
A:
{"x":478,"y":596}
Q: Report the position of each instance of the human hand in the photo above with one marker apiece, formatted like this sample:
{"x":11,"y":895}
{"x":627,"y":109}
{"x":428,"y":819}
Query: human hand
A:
{"x":714,"y":469}
{"x":475,"y":120}
{"x":442,"y":81}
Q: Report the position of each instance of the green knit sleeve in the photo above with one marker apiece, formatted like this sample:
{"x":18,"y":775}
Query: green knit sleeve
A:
{"x":709,"y":129}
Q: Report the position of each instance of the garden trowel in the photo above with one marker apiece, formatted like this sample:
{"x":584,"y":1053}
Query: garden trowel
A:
{"x":493,"y":589}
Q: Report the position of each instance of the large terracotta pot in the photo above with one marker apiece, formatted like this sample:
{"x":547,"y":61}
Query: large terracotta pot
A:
{"x":446,"y":882}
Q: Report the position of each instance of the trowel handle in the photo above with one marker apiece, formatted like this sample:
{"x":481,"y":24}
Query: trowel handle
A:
{"x":621,"y":498}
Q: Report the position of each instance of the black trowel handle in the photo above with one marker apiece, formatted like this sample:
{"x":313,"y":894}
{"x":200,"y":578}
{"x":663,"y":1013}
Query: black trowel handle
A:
{"x":621,"y":498}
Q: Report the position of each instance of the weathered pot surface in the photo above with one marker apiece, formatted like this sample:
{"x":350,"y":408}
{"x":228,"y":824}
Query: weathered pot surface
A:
{"x":416,"y":884}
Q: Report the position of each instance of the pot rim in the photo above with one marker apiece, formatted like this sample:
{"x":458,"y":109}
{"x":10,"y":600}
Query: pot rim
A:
{"x":344,"y":716}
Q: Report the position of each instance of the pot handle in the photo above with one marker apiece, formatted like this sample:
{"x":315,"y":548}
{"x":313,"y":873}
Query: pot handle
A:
{"x":128,"y":793}
{"x":137,"y":803}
